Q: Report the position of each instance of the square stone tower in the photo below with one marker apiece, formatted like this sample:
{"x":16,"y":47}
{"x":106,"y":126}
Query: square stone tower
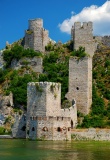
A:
{"x":80,"y":83}
{"x":43,"y":99}
{"x":82,"y":36}
{"x":80,"y":69}
{"x":36,"y":37}
{"x":45,"y":119}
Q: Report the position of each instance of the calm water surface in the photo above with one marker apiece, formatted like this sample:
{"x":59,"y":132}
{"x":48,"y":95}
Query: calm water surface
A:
{"x":49,"y":150}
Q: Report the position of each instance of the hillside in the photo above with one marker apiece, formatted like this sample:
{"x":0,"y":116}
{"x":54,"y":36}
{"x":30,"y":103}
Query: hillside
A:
{"x":55,"y":69}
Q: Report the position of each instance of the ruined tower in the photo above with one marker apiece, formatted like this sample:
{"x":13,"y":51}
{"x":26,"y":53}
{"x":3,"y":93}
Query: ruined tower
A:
{"x":36,"y":37}
{"x":80,"y":69}
{"x":82,"y":36}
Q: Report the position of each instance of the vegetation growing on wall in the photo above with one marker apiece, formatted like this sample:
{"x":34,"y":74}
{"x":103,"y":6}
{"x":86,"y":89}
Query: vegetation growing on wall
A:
{"x":79,"y":53}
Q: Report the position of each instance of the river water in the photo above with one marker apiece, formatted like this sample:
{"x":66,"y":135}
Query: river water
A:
{"x":14,"y":149}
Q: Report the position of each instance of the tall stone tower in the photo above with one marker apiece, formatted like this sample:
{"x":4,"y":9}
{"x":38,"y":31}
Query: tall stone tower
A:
{"x":82,"y":36}
{"x":45,"y":118}
{"x":43,"y":99}
{"x":80,"y":70}
{"x":80,"y":83}
{"x":36,"y":37}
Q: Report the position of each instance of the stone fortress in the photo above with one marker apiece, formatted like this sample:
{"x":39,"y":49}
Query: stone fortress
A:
{"x":45,"y":119}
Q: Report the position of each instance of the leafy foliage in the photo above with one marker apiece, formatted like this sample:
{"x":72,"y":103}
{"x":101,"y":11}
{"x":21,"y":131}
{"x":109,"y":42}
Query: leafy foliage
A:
{"x":79,"y":53}
{"x":2,"y":130}
{"x":17,"y":52}
{"x":56,"y":70}
{"x":17,"y":84}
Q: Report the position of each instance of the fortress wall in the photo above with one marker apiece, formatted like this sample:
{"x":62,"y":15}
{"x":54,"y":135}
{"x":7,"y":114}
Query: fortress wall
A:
{"x":91,"y":134}
{"x":45,"y":38}
{"x":29,"y":39}
{"x":19,"y":127}
{"x":72,"y":113}
{"x":50,"y":128}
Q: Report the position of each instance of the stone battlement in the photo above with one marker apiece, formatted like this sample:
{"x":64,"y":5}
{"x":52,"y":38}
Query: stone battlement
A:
{"x":84,"y":25}
{"x":45,"y":84}
{"x":82,"y":36}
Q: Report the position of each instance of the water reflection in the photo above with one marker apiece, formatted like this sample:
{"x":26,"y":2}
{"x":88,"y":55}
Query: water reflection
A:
{"x":49,"y":150}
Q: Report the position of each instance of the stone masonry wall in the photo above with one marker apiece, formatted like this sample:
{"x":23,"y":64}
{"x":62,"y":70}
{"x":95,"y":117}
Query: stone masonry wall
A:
{"x":91,"y":134}
{"x":53,"y":99}
{"x":72,"y":113}
{"x":50,"y":128}
{"x":80,"y":83}
{"x":46,"y":39}
{"x":102,"y":40}
{"x":29,"y":39}
{"x":19,"y":127}
{"x":82,"y":36}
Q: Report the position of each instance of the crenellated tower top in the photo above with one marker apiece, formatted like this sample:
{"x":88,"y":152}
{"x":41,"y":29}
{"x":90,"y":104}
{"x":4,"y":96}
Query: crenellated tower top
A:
{"x":82,"y":35}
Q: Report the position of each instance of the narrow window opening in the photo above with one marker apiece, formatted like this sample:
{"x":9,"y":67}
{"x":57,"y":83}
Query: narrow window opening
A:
{"x":33,"y":129}
{"x":59,"y":129}
{"x":71,"y":124}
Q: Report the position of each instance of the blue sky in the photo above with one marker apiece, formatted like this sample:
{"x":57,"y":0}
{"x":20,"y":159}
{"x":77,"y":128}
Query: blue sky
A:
{"x":58,"y":17}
